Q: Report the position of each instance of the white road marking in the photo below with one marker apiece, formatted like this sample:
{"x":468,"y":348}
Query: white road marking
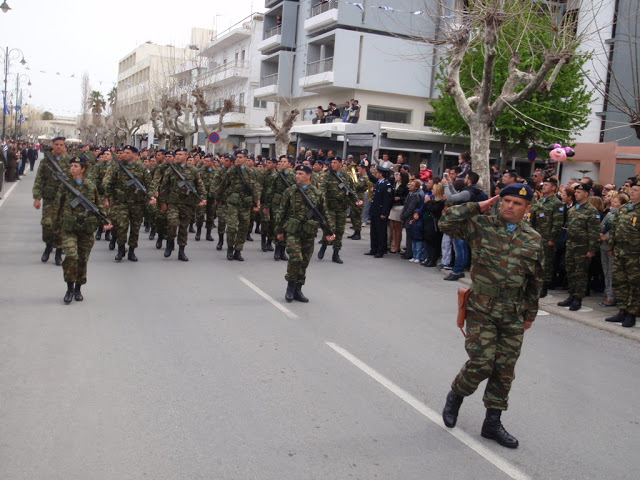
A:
{"x":6,"y":195}
{"x":499,"y":462}
{"x":268,"y":298}
{"x":542,"y":313}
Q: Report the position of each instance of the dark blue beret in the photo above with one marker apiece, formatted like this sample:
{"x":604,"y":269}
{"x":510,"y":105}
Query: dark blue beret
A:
{"x":304,"y":168}
{"x":131,"y":147}
{"x":518,"y":190}
{"x":82,"y":160}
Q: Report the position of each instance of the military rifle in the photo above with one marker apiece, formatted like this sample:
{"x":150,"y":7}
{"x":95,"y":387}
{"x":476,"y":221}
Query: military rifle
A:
{"x":283,"y":177}
{"x":134,"y":181}
{"x":342,"y":185}
{"x":55,"y":163}
{"x":314,"y":213}
{"x":184,"y":183}
{"x":80,"y":199}
{"x":245,"y":187}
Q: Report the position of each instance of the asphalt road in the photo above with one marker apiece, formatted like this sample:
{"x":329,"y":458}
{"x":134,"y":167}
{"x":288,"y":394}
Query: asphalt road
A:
{"x":200,"y":370}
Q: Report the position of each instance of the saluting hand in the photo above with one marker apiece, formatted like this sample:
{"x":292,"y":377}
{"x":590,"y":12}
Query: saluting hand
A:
{"x":486,"y":205}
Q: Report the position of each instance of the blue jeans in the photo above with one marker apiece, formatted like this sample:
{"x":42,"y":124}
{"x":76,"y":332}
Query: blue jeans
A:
{"x":460,"y":247}
{"x":417,"y":247}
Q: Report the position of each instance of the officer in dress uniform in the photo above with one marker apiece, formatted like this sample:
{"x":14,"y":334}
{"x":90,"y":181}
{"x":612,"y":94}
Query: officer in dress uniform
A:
{"x":381,"y":202}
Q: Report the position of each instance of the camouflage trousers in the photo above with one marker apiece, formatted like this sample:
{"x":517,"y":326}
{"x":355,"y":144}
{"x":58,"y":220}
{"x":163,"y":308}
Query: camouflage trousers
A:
{"x":127,"y":215}
{"x":549,"y":260}
{"x":77,"y":247}
{"x":300,"y":250}
{"x":494,"y":337}
{"x":208,"y":211}
{"x":222,"y":218}
{"x":178,"y":220}
{"x":266,"y":225}
{"x":254,"y":218}
{"x":577,"y":266}
{"x":160,"y":220}
{"x":337,"y":220}
{"x":237,"y":225}
{"x":356,"y":217}
{"x":626,"y":281}
{"x":149,"y":215}
{"x":48,"y":227}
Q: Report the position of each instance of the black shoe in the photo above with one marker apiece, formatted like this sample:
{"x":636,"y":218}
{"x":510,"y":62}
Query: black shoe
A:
{"x":198,"y":233}
{"x":257,"y":230}
{"x":370,"y":252}
{"x":99,"y":232}
{"x":220,"y":242}
{"x":567,"y":302}
{"x":159,"y":241}
{"x":336,"y":257}
{"x":323,"y":249}
{"x":451,"y":408}
{"x":112,"y":242}
{"x":288,"y":296}
{"x":237,"y":255}
{"x":452,"y":277}
{"x":58,"y":256}
{"x":355,"y":236}
{"x":298,"y":295}
{"x":263,"y":243}
{"x":378,"y":255}
{"x":269,"y":246}
{"x":152,"y":233}
{"x":229,"y":253}
{"x":276,"y":253}
{"x":147,"y":228}
{"x":618,"y":317}
{"x":191,"y":229}
{"x":492,"y":428}
{"x":544,"y":291}
{"x":249,"y":239}
{"x":47,"y":252}
{"x":170,"y":246}
{"x":107,"y":236}
{"x":283,"y":253}
{"x":181,"y":255}
{"x":576,"y":304}
{"x":77,"y":295}
{"x":120,"y":254}
{"x":68,"y":297}
{"x":629,"y":321}
{"x":209,"y":238}
{"x":132,"y":256}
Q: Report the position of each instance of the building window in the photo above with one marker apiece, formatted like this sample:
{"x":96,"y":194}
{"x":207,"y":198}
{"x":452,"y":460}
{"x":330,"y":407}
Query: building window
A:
{"x":309,"y":114}
{"x":259,"y":103}
{"x":429,"y":118}
{"x":386,"y":114}
{"x":241,"y":100}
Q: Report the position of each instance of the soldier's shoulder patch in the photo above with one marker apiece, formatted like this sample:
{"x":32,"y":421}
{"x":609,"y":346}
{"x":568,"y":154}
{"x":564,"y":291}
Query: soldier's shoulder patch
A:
{"x":561,"y":209}
{"x":598,"y":216}
{"x":389,"y":190}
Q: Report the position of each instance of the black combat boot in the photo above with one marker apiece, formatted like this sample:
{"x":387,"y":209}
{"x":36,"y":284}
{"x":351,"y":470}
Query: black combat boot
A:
{"x":567,"y":302}
{"x":132,"y":256}
{"x":121,"y":252}
{"x":269,"y":245}
{"x":58,"y":256}
{"x":257,"y":230}
{"x":47,"y":252}
{"x":99,"y":232}
{"x":237,"y":255}
{"x":249,"y":239}
{"x":576,"y":304}
{"x":629,"y":320}
{"x":355,"y":236}
{"x":283,"y":253}
{"x":152,"y":233}
{"x":492,"y":428}
{"x":451,"y":408}
{"x":336,"y":256}
{"x":112,"y":242}
{"x":276,"y":253}
{"x":618,"y":317}
{"x":77,"y":294}
{"x":209,"y":237}
{"x":229,"y":253}
{"x":543,"y":292}
{"x":323,"y":249}
{"x":263,"y":243}
{"x":291,"y":287}
{"x":170,"y":246}
{"x":298,"y":295}
{"x":181,"y":255}
{"x":107,"y":235}
{"x":220,"y":241}
{"x":159,"y":241}
{"x":147,"y":228}
{"x":70,"y":293}
{"x":191,"y":229}
{"x":198,"y":232}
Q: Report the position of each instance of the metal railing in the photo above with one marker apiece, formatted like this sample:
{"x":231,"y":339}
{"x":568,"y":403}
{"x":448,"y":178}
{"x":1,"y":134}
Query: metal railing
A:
{"x":235,"y":109}
{"x":323,"y":7}
{"x":236,"y":67}
{"x":269,"y":80}
{"x":272,"y":32}
{"x":320,"y":66}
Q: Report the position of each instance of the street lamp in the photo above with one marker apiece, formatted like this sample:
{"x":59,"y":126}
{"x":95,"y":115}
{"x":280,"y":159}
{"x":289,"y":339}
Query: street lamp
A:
{"x":7,"y":60}
{"x":5,"y":7}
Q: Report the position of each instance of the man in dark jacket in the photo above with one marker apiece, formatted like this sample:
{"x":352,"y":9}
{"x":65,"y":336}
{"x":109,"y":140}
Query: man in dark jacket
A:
{"x":413,"y":202}
{"x":32,"y":155}
{"x":381,"y":201}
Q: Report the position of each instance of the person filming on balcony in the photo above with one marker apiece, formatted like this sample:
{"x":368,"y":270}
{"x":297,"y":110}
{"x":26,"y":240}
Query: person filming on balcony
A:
{"x":320,"y":115}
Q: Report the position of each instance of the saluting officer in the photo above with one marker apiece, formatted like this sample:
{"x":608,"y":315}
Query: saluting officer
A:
{"x":381,"y":201}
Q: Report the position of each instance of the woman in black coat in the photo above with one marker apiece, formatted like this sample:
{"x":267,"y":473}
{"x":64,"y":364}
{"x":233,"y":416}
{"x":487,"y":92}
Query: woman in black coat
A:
{"x":431,"y":213}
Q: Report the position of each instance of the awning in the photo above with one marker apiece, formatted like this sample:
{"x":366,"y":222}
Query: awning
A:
{"x":73,"y":140}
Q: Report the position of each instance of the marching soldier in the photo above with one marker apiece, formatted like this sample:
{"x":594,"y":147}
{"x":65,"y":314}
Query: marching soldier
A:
{"x":216,"y":192}
{"x":206,"y":173}
{"x":282,"y":179}
{"x":266,"y":223}
{"x":291,"y":219}
{"x":165,"y":158}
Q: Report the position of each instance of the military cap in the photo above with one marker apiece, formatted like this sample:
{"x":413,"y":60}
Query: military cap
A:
{"x":180,"y":149}
{"x":131,"y":147}
{"x":553,"y":180}
{"x":292,"y":160}
{"x":304,"y":168}
{"x":209,"y":155}
{"x":636,"y":184}
{"x":252,"y":156}
{"x":55,"y":139}
{"x":585,"y":187}
{"x":270,"y":159}
{"x":349,"y":156}
{"x":229,"y":156}
{"x":519,"y":190}
{"x":81,"y":159}
{"x":384,"y":167}
{"x":162,"y":151}
{"x":364,"y":153}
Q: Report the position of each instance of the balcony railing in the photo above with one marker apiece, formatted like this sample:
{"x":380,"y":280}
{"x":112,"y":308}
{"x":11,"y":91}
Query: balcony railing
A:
{"x":223,"y":68}
{"x":235,"y":109}
{"x":272,"y":32}
{"x":321,"y":66}
{"x":323,"y":7}
{"x":269,"y":80}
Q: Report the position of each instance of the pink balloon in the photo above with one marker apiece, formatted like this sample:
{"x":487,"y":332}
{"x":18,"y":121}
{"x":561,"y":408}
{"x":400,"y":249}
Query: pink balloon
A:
{"x":558,"y":154}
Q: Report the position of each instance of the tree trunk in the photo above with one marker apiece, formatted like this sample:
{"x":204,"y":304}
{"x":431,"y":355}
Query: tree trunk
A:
{"x":480,"y":151}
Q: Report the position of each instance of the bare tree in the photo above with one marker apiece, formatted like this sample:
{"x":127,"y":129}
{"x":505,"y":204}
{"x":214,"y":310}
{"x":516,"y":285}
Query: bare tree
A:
{"x":85,"y":127}
{"x":282,"y":132}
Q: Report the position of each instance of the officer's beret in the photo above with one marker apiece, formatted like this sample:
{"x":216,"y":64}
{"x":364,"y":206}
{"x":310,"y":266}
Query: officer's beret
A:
{"x":162,"y":151}
{"x":55,"y":139}
{"x":131,"y":147}
{"x":229,"y":156}
{"x":553,"y":180}
{"x":82,"y":160}
{"x":636,"y":184}
{"x":304,"y":168}
{"x":585,"y":187}
{"x":364,"y":153}
{"x":181,"y":149}
{"x":519,"y":190}
{"x":349,"y":156}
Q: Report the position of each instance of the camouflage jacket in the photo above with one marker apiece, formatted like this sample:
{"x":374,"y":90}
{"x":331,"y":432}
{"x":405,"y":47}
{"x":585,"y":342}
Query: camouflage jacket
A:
{"x":172,"y":194}
{"x":216,"y":184}
{"x":583,"y":227}
{"x":335,"y":193}
{"x":291,"y":215}
{"x":77,"y":220}
{"x":45,"y":186}
{"x":207,"y":178}
{"x":276,"y":188}
{"x":115,"y":183}
{"x":96,"y":175}
{"x":625,"y":230}
{"x":547,"y":217}
{"x":232,"y":187}
{"x":501,"y":259}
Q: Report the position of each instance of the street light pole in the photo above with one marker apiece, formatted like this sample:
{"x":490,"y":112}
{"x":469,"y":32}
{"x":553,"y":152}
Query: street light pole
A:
{"x":7,"y":58}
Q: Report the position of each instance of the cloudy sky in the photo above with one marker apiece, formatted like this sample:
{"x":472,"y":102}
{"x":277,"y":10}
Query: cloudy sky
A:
{"x":62,"y":39}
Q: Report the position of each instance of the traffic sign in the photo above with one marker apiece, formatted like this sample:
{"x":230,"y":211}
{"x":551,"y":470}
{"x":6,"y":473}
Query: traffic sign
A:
{"x":214,"y":137}
{"x":532,"y":154}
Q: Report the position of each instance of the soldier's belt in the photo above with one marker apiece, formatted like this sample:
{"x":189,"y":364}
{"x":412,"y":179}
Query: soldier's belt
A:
{"x":498,"y":292}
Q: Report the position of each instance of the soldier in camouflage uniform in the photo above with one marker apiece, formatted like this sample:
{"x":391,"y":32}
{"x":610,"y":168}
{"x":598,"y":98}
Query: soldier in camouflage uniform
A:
{"x":178,"y":202}
{"x":126,"y":203}
{"x":625,"y":242}
{"x":45,"y":189}
{"x":76,"y":228}
{"x":207,"y":173}
{"x":266,"y":224}
{"x":158,"y":175}
{"x":361,"y":187}
{"x":276,"y":188}
{"x":583,"y":241}
{"x":241,"y":195}
{"x":338,"y":191}
{"x":506,"y":271}
{"x":96,"y":175}
{"x":547,"y":217}
{"x":257,"y":177}
{"x":216,"y":192}
{"x":152,"y":210}
{"x":291,"y":219}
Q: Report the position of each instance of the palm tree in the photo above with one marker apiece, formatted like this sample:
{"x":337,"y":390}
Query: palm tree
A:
{"x":112,"y":97}
{"x":96,"y":102}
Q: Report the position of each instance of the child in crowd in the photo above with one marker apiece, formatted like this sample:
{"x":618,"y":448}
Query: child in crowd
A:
{"x":417,"y":234}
